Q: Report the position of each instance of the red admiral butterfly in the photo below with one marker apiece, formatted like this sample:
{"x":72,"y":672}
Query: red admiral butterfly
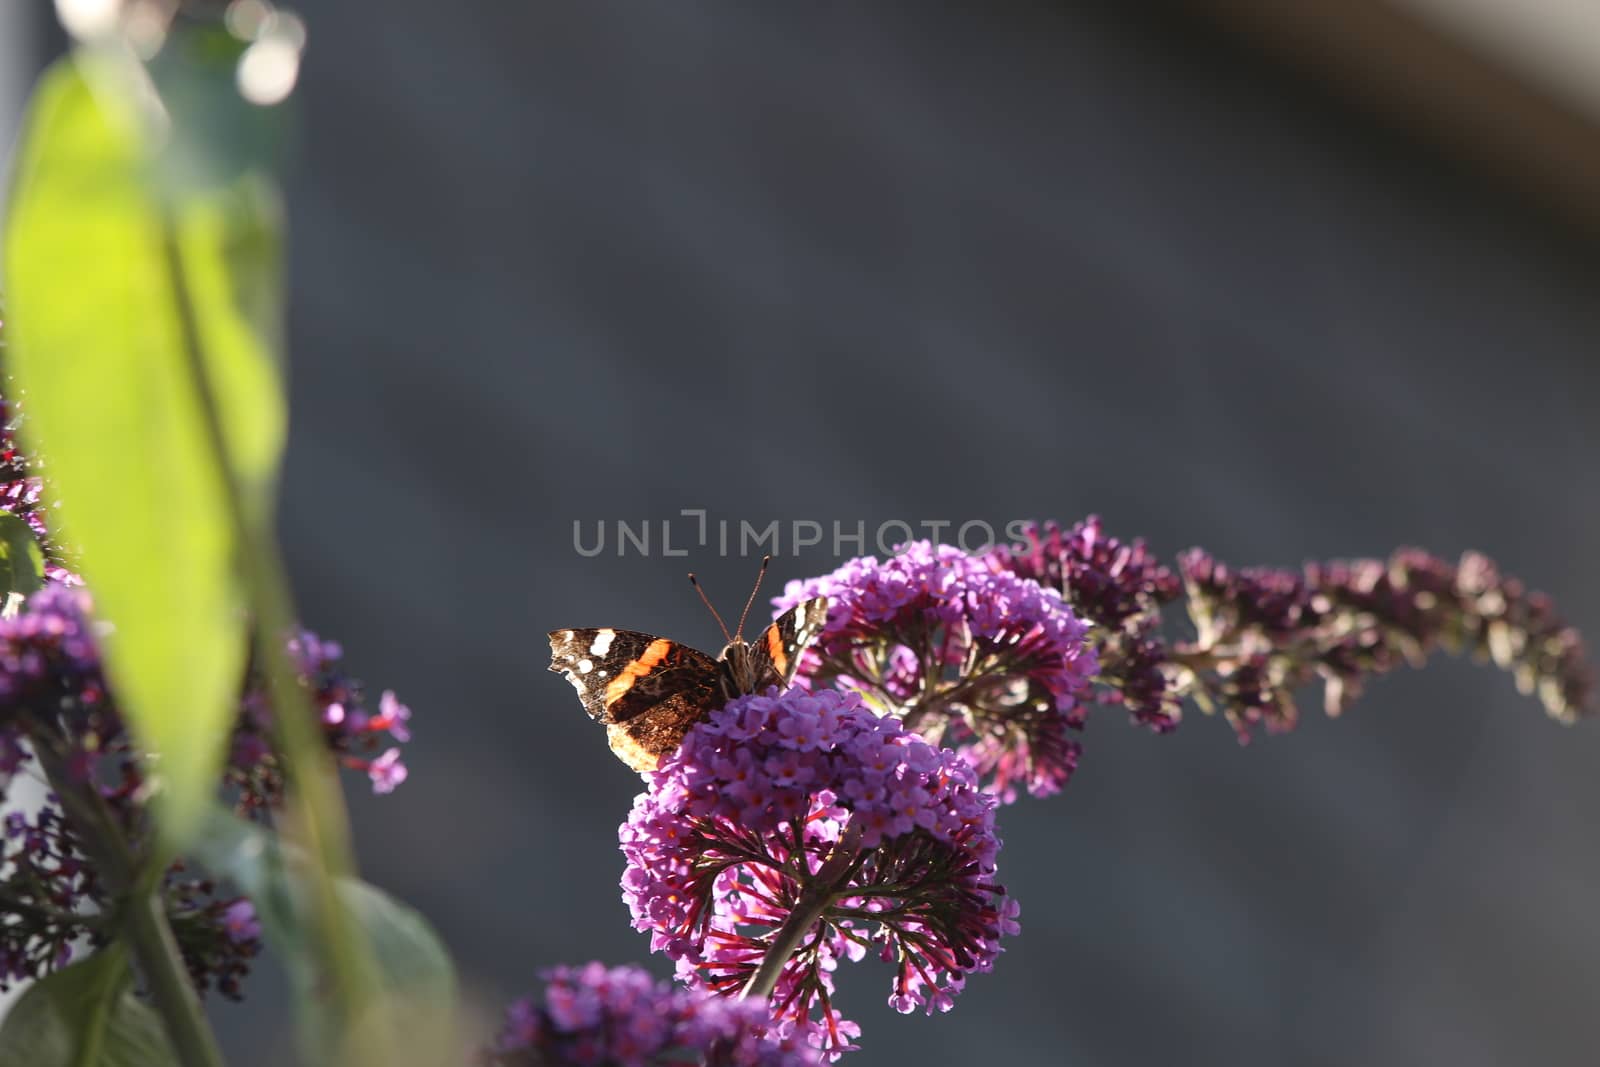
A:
{"x":649,"y":691}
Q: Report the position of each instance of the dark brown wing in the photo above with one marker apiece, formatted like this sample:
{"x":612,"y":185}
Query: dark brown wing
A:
{"x":620,"y":674}
{"x":643,"y":740}
{"x":646,"y":689}
{"x":778,"y":648}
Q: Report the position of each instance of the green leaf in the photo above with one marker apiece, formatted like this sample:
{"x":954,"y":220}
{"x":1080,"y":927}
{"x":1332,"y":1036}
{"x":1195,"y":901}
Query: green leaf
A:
{"x":84,"y":1015}
{"x":416,"y":978}
{"x":121,"y":284}
{"x":21,"y":561}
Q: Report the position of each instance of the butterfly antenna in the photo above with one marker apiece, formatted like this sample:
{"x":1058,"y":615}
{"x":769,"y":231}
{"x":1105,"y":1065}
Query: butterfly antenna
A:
{"x":762,"y":573}
{"x":707,"y":602}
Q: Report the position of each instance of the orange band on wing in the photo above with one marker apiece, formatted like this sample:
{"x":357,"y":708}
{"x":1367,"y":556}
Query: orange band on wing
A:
{"x":636,"y":670}
{"x":775,"y":650}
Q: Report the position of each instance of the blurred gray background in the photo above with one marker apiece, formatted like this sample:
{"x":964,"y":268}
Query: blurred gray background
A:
{"x":558,"y":262}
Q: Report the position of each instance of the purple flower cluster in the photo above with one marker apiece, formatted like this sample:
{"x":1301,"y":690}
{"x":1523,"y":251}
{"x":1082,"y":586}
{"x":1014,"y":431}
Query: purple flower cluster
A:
{"x":359,"y":736}
{"x":968,"y":655}
{"x":807,"y":822}
{"x":351,"y":730}
{"x":1120,"y":588}
{"x":620,"y":1015}
{"x":49,"y":668}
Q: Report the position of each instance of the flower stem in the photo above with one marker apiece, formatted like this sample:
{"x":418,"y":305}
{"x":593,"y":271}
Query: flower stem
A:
{"x":144,"y":924}
{"x":162,"y":965}
{"x":808,"y":908}
{"x":24,"y":906}
{"x":316,"y":804}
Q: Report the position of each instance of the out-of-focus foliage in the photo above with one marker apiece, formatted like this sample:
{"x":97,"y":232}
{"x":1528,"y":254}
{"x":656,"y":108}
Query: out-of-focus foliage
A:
{"x":124,"y":289}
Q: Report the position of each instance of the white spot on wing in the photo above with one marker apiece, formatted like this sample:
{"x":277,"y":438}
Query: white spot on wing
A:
{"x":585,"y":666}
{"x":602,"y":642}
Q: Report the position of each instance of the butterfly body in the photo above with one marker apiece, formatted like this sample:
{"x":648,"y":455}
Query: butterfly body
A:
{"x":649,"y":690}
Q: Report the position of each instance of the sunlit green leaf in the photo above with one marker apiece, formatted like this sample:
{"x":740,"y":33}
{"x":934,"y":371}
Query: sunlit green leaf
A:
{"x":416,"y":977}
{"x":84,"y":1015}
{"x":119,"y":289}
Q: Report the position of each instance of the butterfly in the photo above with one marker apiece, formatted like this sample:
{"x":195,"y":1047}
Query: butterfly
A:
{"x":648,"y":690}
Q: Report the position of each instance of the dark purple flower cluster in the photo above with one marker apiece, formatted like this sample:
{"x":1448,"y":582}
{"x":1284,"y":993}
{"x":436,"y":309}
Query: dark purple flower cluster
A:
{"x":1119,"y":587}
{"x":20,"y":487}
{"x":969,"y":656}
{"x":807,"y":822}
{"x":1106,"y":580}
{"x":53,"y":694}
{"x":218,"y":935}
{"x":1262,"y":633}
{"x":48,"y":896}
{"x":620,"y":1015}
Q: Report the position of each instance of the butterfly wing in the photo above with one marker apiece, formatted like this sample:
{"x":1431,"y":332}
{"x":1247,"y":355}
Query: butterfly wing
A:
{"x":646,"y":689}
{"x":777,"y":650}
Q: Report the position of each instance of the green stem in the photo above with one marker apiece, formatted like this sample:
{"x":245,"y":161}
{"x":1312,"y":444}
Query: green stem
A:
{"x":144,"y":919}
{"x":315,"y":802}
{"x":21,"y":905}
{"x":808,"y":908}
